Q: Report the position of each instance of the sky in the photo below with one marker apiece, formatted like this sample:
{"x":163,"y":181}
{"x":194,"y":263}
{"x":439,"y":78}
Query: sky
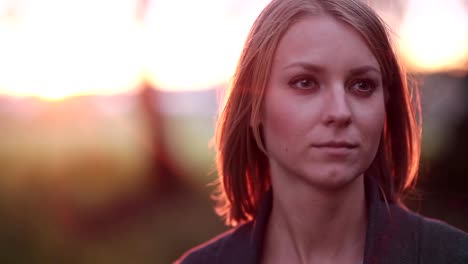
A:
{"x":59,"y":48}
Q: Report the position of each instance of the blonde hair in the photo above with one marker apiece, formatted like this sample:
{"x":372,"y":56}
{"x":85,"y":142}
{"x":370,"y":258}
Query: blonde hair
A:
{"x":241,"y":162}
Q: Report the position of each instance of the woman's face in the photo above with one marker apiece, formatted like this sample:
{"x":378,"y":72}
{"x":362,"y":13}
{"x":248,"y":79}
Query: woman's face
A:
{"x":323,"y":110}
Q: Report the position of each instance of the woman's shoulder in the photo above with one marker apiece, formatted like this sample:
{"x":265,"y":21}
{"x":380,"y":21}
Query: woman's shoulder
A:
{"x":440,"y":240}
{"x":229,"y":245}
{"x":400,"y":235}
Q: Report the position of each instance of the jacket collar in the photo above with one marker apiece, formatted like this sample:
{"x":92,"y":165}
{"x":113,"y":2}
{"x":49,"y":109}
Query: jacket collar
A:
{"x":391,"y":235}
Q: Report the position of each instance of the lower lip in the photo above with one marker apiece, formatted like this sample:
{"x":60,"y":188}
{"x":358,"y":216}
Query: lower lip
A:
{"x":336,"y":151}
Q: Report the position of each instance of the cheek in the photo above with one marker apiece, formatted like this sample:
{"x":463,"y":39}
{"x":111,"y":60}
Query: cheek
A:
{"x":369,"y":119}
{"x":274,"y":124}
{"x":280,"y":123}
{"x":378,"y":118}
{"x":372,"y":113}
{"x":372,"y":126}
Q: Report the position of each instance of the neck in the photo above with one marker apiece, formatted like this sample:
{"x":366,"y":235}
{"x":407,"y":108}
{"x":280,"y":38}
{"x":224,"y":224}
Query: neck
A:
{"x":317,"y":226}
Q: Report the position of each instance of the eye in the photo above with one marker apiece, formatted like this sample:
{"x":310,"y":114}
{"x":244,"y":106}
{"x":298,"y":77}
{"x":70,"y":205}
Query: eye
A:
{"x":303,"y":83}
{"x":363,"y":87}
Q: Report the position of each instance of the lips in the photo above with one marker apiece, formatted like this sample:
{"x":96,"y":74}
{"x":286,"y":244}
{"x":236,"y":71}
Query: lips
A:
{"x":336,"y":149}
{"x":336,"y":144}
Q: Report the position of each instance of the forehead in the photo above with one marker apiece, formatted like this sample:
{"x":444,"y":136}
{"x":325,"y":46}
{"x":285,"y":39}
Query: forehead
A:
{"x":325,"y":41}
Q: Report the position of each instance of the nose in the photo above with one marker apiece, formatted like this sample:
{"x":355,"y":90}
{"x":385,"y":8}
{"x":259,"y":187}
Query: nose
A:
{"x":336,"y":107}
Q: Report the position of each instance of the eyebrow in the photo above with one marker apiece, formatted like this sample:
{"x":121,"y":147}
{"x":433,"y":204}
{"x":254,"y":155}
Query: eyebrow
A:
{"x":318,"y":69}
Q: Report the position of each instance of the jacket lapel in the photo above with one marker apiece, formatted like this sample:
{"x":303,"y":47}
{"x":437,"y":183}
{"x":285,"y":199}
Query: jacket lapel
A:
{"x":392,"y":234}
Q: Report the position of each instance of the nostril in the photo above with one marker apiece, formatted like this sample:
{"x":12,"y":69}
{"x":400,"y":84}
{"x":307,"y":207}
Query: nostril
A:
{"x":338,"y":116}
{"x":337,"y":109}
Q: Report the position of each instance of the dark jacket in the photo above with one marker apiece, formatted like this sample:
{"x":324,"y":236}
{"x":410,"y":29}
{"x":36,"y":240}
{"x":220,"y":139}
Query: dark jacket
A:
{"x":394,"y":236}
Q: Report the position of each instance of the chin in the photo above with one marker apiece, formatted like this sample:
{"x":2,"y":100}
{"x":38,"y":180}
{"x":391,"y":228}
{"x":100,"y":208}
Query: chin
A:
{"x":334,"y":179}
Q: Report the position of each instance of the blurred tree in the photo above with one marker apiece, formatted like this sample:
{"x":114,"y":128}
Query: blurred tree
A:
{"x":164,"y":171}
{"x":163,"y":179}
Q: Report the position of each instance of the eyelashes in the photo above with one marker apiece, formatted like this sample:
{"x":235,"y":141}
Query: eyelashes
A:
{"x":363,"y":86}
{"x":303,"y":83}
{"x":357,"y":86}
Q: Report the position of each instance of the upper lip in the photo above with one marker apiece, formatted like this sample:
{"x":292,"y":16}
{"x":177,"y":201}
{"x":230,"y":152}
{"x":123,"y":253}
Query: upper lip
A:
{"x":335,"y":144}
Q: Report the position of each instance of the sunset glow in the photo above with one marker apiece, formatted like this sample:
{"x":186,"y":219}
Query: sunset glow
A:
{"x":55,"y":49}
{"x":434,"y":35}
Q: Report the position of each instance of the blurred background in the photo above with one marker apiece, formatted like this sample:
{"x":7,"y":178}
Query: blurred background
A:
{"x":107,"y":113}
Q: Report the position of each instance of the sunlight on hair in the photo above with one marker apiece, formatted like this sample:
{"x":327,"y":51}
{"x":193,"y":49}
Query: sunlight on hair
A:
{"x":434,"y":35}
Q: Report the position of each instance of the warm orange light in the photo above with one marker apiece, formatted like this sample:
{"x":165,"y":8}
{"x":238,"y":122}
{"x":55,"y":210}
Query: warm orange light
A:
{"x":53,"y":95}
{"x":434,"y":35}
{"x":55,"y":49}
{"x":196,"y":44}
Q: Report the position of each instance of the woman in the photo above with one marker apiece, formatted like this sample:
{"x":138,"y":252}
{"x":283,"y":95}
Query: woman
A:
{"x":318,"y":141}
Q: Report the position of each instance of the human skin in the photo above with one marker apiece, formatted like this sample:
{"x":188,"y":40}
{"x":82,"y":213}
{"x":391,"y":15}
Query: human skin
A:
{"x":322,"y":117}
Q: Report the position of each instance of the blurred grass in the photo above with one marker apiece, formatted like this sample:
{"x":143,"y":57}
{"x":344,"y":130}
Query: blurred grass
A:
{"x":70,"y":154}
